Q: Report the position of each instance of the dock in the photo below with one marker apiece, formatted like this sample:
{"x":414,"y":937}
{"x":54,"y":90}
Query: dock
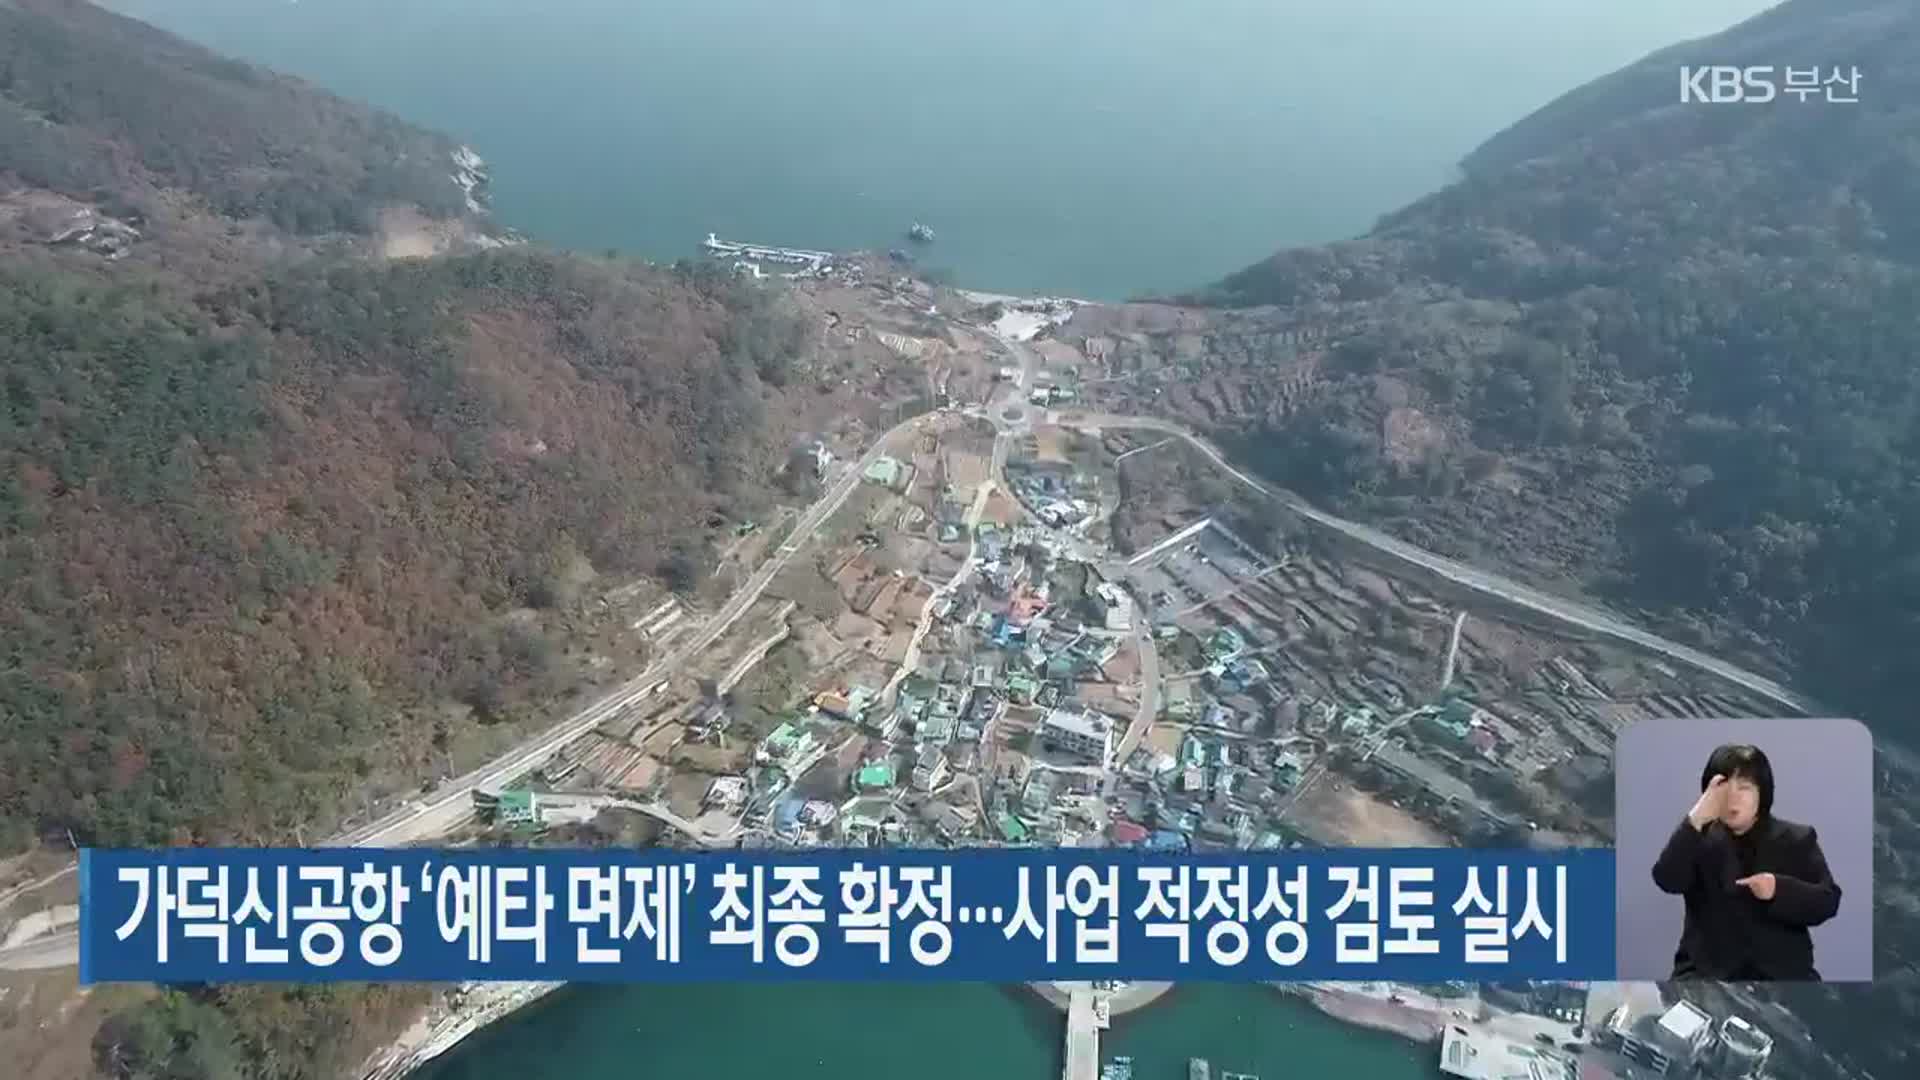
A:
{"x":812,"y":260}
{"x":1083,"y":1036}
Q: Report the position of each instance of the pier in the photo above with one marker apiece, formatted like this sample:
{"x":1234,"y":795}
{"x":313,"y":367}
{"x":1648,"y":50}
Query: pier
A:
{"x":1083,"y":1036}
{"x":1090,"y":1009}
{"x":812,"y":260}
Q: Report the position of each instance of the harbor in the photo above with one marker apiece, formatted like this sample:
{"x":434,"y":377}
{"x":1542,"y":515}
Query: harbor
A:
{"x":785,"y":256}
{"x":949,"y":1031}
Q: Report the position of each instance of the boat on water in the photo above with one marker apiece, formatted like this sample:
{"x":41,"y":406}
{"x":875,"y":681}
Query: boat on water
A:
{"x":920,"y":233}
{"x":1120,"y":1068}
{"x":1198,"y":1069}
{"x":1225,"y":1075}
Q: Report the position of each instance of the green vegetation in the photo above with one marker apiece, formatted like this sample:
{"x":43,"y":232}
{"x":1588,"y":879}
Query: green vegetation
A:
{"x":233,"y":1032}
{"x":1667,"y":354}
{"x":244,"y":541}
{"x":239,"y":540}
{"x":260,"y":544}
{"x":1698,"y":333}
{"x":91,"y":102}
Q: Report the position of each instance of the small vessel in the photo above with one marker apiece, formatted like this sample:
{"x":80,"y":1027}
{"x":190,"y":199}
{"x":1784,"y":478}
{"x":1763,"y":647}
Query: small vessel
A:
{"x":1120,"y":1068}
{"x":920,"y":233}
{"x":1198,"y":1069}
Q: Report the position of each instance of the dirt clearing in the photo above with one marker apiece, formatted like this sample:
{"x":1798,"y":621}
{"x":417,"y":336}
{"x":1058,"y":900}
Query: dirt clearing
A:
{"x":1354,"y":818}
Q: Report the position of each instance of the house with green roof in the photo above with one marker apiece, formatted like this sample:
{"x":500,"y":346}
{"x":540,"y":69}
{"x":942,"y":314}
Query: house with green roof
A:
{"x":790,"y":748}
{"x":873,"y":776}
{"x":886,"y":471}
{"x":1012,"y":829}
{"x":1225,"y":644}
{"x":517,"y":810}
{"x":1021,"y":689}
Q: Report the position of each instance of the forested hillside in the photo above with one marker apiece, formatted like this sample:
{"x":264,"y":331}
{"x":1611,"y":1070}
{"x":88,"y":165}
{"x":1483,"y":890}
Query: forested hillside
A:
{"x":1670,"y":349}
{"x":1664,"y":352}
{"x":236,"y":537}
{"x":280,"y":525}
{"x":265,"y":520}
{"x":98,"y":106}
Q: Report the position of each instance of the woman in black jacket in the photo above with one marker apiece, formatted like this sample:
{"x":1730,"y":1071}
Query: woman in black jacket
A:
{"x":1753,"y":884}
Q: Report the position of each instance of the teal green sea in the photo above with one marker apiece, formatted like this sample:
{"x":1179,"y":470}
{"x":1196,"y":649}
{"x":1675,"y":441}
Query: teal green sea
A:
{"x":937,"y":1031}
{"x":1098,"y":148}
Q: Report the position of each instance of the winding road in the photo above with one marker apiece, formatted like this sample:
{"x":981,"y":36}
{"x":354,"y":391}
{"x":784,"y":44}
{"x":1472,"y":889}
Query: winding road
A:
{"x":1569,"y":612}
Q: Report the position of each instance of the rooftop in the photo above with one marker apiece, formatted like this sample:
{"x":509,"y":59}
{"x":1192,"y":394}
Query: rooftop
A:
{"x":1436,"y":779}
{"x":1685,"y":1021}
{"x":1743,"y":1035}
{"x":1093,"y":725}
{"x":884,"y":470}
{"x":1680,"y":1033}
{"x":1481,"y":1055}
{"x":1012,"y":829}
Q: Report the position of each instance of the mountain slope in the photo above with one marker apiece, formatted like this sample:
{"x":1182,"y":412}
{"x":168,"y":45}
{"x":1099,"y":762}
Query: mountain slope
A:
{"x":1875,"y":35}
{"x":1689,"y":323}
{"x":92,"y":102}
{"x":285,"y":530}
{"x":281,"y":527}
{"x":237,"y":535}
{"x":1657,"y":351}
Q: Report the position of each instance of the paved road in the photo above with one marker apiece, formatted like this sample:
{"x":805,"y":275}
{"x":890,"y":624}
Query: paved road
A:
{"x":692,"y":829}
{"x":52,"y":951}
{"x":7,"y":895}
{"x":1149,"y":708}
{"x":1566,"y":611}
{"x":911,"y":658}
{"x":453,"y":801}
{"x":994,"y":411}
{"x":1453,"y":650}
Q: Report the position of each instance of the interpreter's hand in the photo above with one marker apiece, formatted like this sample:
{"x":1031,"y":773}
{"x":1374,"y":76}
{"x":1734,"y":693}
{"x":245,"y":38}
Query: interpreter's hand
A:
{"x":1710,"y":805}
{"x":1760,"y":885}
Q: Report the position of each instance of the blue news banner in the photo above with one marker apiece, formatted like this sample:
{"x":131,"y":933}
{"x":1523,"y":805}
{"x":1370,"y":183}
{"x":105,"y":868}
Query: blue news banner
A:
{"x":1418,"y":915}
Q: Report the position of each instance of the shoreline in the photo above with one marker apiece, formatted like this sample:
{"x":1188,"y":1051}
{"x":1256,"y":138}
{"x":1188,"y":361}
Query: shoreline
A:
{"x":1367,"y":1011}
{"x":1135,"y":997}
{"x":1352,"y":1007}
{"x":440,"y":1029}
